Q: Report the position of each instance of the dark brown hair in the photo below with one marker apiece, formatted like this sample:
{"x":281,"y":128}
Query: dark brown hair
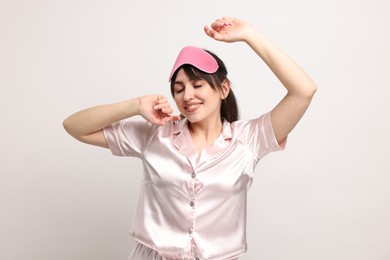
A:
{"x":229,"y":108}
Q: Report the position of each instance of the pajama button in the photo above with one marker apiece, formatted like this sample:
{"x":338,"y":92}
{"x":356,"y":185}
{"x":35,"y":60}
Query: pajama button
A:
{"x":192,"y":203}
{"x":193,"y":175}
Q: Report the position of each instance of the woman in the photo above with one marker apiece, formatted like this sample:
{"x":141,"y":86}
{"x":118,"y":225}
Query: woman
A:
{"x":197,"y":167}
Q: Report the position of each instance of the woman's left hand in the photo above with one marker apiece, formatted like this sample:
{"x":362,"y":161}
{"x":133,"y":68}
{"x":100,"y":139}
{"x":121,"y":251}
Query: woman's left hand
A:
{"x":228,"y":29}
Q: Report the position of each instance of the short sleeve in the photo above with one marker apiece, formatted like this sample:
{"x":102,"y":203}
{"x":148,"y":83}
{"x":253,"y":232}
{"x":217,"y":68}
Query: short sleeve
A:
{"x":259,"y":135}
{"x":129,"y":137}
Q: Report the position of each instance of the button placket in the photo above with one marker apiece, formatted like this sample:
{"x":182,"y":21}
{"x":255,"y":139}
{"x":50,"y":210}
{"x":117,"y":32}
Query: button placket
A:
{"x":194,"y":251}
{"x":192,"y":204}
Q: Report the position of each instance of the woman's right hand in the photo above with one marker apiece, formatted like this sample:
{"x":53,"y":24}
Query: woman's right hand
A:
{"x":156,"y":109}
{"x":229,"y":29}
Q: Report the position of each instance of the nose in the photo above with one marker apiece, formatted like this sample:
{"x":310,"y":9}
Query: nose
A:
{"x":188,"y":93}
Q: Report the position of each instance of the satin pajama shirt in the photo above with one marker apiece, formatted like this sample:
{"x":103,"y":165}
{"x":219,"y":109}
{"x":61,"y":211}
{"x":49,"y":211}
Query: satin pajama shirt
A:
{"x":192,"y":206}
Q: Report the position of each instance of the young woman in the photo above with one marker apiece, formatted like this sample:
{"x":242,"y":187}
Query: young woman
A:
{"x":197,"y":167}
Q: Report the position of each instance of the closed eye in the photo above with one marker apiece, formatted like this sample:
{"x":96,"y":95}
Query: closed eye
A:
{"x":198,"y":83}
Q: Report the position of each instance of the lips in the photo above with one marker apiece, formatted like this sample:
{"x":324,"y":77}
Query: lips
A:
{"x":192,"y":107}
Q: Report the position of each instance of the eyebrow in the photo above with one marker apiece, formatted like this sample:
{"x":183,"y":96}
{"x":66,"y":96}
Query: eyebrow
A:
{"x":178,"y":82}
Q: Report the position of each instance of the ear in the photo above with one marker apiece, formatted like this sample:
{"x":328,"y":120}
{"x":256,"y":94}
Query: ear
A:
{"x":225,"y":88}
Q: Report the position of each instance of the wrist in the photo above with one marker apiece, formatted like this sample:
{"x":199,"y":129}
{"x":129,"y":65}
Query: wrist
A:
{"x":135,"y":105}
{"x":130,"y":107}
{"x":252,"y":35}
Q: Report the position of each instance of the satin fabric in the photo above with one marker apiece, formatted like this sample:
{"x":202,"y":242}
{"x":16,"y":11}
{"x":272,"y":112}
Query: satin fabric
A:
{"x":193,"y":206}
{"x":142,"y":252}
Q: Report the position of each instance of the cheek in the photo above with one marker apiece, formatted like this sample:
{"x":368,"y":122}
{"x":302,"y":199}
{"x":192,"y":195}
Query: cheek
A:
{"x":215,"y":96}
{"x":177,"y":100}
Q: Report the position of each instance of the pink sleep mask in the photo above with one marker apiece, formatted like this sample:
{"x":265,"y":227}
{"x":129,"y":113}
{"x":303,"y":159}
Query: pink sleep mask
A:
{"x":196,"y":57}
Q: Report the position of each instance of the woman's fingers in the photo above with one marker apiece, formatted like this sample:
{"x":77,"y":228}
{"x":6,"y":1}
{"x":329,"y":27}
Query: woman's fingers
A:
{"x":216,"y":35}
{"x":161,"y":100}
{"x":207,"y":30}
{"x":167,"y":110}
{"x":228,"y":20}
{"x":228,"y":29}
{"x":156,"y":109}
{"x":217,"y":25}
{"x":161,"y":105}
{"x":220,"y":23}
{"x":220,"y":28}
{"x":175,"y":118}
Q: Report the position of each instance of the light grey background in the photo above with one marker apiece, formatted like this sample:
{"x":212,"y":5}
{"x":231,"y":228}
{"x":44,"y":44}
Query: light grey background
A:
{"x":325,"y":197}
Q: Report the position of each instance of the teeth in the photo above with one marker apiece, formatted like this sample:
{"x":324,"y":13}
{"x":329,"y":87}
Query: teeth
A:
{"x":192,"y":106}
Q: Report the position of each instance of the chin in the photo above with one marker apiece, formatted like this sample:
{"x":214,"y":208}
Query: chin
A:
{"x":193,"y":119}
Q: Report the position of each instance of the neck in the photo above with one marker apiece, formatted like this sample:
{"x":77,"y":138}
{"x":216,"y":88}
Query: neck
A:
{"x":204,"y":133}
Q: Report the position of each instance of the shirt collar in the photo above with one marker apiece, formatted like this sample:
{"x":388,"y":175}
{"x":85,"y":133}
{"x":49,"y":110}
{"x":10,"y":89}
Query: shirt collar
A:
{"x":226,"y":128}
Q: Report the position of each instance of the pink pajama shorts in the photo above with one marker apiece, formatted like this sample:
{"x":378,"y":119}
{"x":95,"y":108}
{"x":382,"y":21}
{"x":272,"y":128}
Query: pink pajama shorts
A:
{"x":142,"y":252}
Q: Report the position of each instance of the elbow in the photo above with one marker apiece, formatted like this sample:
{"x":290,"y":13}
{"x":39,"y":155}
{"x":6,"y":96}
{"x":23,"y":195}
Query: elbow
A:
{"x":312,"y":90}
{"x":68,"y":126}
{"x":305,"y":93}
{"x":65,"y":125}
{"x":309,"y":91}
{"x":71,"y":130}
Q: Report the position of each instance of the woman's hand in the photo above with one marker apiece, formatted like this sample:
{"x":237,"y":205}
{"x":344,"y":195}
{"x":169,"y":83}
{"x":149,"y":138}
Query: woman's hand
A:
{"x":229,"y":29}
{"x":156,"y":109}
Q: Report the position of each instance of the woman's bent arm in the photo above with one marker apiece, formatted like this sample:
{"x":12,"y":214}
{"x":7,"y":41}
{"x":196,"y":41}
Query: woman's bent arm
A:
{"x":87,"y":125}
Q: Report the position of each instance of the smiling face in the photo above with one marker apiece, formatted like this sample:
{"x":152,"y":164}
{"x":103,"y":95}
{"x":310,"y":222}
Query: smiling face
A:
{"x":196,"y":99}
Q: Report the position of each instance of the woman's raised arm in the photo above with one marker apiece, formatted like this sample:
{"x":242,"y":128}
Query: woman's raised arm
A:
{"x":300,"y":87}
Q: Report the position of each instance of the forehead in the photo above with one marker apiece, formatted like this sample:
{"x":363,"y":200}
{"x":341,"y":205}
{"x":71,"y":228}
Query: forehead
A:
{"x":182,"y":76}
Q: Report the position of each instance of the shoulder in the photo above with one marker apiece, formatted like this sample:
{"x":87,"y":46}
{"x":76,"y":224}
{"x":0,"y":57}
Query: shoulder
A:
{"x":136,"y":128}
{"x":246,"y":124}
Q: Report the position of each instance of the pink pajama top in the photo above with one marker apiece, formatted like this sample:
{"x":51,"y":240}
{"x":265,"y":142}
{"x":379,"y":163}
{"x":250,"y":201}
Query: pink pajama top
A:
{"x":190,"y":206}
